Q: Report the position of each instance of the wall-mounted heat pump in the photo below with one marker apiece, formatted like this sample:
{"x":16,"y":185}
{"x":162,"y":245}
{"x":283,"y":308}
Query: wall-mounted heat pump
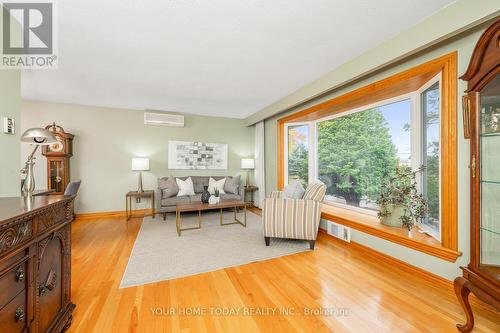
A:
{"x":163,"y":119}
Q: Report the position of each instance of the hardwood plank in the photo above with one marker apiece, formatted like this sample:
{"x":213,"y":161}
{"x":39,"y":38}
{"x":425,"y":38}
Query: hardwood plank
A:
{"x":379,"y":295}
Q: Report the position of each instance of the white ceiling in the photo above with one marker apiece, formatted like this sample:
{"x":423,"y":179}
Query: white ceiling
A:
{"x":219,"y":57}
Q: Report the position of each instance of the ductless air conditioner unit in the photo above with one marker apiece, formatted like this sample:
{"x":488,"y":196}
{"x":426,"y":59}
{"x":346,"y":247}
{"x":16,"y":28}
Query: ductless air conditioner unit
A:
{"x":163,"y":119}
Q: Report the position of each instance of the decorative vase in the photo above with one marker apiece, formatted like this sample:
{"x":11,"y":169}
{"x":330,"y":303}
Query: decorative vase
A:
{"x":217,"y":199}
{"x":212,"y":200}
{"x":393,"y":219}
{"x":205,"y":196}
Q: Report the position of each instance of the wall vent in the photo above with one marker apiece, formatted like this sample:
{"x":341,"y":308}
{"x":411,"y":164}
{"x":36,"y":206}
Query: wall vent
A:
{"x":339,"y":231}
{"x":163,"y":119}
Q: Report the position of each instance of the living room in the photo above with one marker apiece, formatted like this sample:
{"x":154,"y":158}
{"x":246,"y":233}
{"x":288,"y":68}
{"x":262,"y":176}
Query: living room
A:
{"x":244,"y":167}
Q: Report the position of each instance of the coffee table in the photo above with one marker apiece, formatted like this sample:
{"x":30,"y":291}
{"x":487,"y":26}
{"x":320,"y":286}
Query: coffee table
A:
{"x":199,"y":207}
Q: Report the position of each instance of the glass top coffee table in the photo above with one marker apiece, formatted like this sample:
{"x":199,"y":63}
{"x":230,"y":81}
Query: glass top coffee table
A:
{"x":199,"y":207}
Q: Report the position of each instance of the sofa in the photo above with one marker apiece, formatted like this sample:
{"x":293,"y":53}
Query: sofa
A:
{"x":166,"y":203}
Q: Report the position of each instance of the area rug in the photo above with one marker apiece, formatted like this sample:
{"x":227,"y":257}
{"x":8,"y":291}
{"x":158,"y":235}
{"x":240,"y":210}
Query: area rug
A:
{"x":159,"y":254}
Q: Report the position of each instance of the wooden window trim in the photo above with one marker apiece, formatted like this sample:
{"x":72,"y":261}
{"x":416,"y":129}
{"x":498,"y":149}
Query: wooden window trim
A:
{"x":399,"y":84}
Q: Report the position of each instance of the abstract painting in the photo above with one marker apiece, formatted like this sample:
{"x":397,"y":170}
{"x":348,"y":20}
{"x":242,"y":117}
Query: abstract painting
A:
{"x":197,"y":155}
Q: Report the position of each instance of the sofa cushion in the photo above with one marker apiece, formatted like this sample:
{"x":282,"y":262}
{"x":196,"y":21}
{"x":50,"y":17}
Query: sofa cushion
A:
{"x":227,"y":196}
{"x":175,"y":200}
{"x":232,"y":184}
{"x":195,"y":198}
{"x":199,"y":182}
{"x":168,"y":187}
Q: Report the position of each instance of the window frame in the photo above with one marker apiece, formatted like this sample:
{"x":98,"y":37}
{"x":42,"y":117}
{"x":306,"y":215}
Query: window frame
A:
{"x":420,"y":151}
{"x":392,"y":86}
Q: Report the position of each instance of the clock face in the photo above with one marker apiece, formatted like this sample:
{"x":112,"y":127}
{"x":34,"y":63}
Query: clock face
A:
{"x":58,"y":146}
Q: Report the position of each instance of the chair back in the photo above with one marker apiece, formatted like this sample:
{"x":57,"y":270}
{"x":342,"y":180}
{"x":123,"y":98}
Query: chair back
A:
{"x":72,"y":188}
{"x":315,"y":191}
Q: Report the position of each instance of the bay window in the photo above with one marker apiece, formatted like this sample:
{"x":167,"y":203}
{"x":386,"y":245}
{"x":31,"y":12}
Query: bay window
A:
{"x":355,"y":142}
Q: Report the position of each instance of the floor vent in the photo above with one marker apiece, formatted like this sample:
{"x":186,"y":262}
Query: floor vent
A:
{"x":339,"y":231}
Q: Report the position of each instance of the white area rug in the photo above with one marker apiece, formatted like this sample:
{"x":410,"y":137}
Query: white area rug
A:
{"x":159,"y":254}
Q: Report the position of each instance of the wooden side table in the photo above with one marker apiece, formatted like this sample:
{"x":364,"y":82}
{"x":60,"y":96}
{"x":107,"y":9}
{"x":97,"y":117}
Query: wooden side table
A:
{"x":135,"y":194}
{"x":250,"y":189}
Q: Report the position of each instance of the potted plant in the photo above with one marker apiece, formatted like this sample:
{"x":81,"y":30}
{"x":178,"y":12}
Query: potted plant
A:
{"x":217,"y":195}
{"x":400,"y":203}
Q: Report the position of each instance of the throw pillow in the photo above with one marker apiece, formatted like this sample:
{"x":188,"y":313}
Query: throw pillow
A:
{"x":293,"y":190}
{"x":315,"y":191}
{"x":231,"y":185}
{"x":185,"y":187}
{"x":216,"y":184}
{"x":168,"y":187}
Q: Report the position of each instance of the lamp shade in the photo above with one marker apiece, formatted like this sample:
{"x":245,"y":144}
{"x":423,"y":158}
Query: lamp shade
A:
{"x":140,"y":164}
{"x":247,"y":163}
{"x":38,"y":136}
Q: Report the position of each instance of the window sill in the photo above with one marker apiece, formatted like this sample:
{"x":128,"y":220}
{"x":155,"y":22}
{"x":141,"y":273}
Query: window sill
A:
{"x":371,"y":225}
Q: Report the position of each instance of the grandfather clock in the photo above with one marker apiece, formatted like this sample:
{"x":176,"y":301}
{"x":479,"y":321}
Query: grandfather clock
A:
{"x":58,"y":155}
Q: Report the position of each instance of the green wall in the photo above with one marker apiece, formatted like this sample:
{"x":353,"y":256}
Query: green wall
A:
{"x":464,"y":45}
{"x":10,"y":100}
{"x":106,"y":139}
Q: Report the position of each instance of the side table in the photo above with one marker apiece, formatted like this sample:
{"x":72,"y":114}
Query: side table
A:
{"x":251,"y":190}
{"x":135,"y":194}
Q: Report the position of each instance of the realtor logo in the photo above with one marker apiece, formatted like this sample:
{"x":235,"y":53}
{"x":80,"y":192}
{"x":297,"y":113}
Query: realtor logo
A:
{"x":28,"y":34}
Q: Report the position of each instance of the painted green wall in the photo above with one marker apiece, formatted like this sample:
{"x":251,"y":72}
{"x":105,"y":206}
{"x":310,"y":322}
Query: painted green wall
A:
{"x":106,"y":139}
{"x":464,"y":45}
{"x":459,"y":16}
{"x":10,"y":101}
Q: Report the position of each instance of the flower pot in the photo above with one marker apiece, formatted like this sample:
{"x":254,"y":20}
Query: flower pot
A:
{"x":393,"y":219}
{"x":205,"y":195}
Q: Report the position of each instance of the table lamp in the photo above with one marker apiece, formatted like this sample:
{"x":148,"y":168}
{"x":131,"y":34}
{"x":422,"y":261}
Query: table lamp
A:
{"x":37,"y":137}
{"x":140,"y":164}
{"x":247,"y":164}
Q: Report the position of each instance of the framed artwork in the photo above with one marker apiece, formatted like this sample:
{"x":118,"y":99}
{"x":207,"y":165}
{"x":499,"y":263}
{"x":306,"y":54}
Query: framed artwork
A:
{"x":192,"y":155}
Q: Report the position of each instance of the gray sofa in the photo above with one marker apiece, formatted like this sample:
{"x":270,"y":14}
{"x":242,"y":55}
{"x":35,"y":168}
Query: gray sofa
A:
{"x":166,"y":205}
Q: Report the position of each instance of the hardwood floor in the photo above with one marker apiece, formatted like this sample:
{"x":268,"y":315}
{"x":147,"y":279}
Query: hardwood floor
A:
{"x":356,"y":291}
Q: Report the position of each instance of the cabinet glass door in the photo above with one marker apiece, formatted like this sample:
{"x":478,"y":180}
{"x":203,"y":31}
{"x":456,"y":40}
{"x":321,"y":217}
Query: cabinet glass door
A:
{"x":56,"y":170}
{"x":489,"y":141}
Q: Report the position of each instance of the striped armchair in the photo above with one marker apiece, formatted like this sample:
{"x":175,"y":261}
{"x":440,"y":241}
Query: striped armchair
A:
{"x":294,"y":218}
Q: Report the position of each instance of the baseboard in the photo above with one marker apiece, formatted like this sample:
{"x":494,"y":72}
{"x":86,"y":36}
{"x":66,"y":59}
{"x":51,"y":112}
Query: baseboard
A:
{"x":392,"y":261}
{"x":111,"y":215}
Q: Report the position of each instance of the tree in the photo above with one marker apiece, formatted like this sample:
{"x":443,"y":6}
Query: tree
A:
{"x":355,"y":155}
{"x":298,"y":163}
{"x":432,"y":175}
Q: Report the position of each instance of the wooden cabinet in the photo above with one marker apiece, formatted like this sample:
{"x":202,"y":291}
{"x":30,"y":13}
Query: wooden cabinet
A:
{"x":35,"y":264}
{"x":482,"y":111}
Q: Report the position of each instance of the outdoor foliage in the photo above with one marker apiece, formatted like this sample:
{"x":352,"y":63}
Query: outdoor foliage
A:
{"x":355,"y":155}
{"x":298,"y":163}
{"x":433,"y":179}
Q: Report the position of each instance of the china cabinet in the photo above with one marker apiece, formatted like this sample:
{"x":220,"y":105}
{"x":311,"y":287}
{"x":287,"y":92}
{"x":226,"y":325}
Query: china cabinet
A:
{"x":482,"y":114}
